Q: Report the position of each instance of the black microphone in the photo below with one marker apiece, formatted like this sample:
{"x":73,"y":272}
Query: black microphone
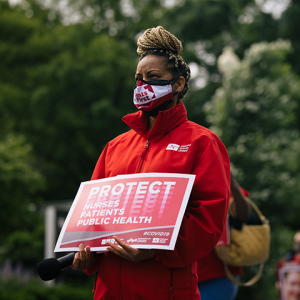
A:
{"x":50,"y":268}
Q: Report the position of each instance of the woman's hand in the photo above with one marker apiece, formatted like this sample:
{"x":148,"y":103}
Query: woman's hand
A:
{"x":128,"y":252}
{"x":84,"y":259}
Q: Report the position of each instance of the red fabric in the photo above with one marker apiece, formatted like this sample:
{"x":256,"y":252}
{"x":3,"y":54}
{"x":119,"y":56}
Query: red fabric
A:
{"x":211,"y":267}
{"x":171,"y":272}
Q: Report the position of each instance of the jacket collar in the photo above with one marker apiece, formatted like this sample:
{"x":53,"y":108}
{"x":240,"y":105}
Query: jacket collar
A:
{"x":166,"y":121}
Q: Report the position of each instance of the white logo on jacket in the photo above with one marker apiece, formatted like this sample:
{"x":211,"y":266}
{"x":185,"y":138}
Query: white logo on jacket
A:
{"x":175,"y":147}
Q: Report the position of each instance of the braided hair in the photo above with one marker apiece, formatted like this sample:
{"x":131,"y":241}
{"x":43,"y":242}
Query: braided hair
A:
{"x":160,"y":42}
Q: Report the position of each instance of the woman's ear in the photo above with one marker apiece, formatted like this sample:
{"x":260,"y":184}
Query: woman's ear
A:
{"x":180,"y":83}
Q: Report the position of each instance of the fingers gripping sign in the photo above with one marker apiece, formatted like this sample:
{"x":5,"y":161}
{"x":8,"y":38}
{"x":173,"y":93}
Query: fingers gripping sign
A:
{"x":83,"y":259}
{"x":126,"y":251}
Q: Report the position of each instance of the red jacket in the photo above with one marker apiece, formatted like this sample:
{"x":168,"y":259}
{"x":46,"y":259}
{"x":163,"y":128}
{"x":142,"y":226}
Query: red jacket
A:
{"x":171,"y":274}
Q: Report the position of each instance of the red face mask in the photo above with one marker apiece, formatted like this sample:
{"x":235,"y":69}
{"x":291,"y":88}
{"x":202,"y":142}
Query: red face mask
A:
{"x":151,"y":94}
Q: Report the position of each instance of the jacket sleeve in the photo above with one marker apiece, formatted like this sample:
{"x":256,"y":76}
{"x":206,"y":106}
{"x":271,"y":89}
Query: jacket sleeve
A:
{"x":99,"y":171}
{"x":206,"y":211}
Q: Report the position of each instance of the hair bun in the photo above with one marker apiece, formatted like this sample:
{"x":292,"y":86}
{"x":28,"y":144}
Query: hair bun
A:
{"x":157,"y":38}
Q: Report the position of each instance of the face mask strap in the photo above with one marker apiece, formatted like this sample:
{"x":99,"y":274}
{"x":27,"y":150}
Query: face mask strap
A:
{"x":175,"y":80}
{"x":154,"y":82}
{"x":158,"y":82}
{"x":176,"y":93}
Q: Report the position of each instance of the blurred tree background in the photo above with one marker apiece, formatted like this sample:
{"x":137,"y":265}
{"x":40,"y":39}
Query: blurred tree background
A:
{"x":66,"y":80}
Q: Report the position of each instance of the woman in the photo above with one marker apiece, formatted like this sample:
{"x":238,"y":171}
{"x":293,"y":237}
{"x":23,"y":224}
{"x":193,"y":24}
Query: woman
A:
{"x":162,"y":140}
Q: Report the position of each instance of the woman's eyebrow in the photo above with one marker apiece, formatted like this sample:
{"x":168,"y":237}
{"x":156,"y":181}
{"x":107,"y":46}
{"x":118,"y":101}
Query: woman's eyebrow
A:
{"x":153,"y":71}
{"x":136,"y":74}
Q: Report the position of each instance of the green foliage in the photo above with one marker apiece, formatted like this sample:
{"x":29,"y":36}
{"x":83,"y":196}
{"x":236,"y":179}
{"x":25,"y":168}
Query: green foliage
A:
{"x":255,"y":114}
{"x":26,"y":245}
{"x":288,"y":24}
{"x":36,"y":290}
{"x":19,"y":180}
{"x":66,"y":89}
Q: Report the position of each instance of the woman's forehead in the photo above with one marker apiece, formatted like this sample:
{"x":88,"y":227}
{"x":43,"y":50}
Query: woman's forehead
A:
{"x":151,"y":62}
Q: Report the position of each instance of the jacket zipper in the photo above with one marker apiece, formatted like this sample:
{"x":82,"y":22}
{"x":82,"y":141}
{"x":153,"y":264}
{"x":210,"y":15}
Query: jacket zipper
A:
{"x":171,"y":293}
{"x":143,"y":157}
{"x":156,"y":125}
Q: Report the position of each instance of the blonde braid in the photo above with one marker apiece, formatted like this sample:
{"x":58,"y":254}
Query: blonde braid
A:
{"x":158,"y":41}
{"x":158,"y":38}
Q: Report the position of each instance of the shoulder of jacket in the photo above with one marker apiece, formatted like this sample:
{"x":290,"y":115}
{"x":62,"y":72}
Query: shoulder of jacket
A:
{"x":121,"y":137}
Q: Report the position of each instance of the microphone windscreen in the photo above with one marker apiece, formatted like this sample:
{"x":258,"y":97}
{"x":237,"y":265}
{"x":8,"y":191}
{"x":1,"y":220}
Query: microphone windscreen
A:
{"x":49,"y":269}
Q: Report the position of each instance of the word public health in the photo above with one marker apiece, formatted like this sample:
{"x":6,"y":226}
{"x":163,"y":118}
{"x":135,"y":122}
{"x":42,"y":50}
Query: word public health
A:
{"x":107,"y":204}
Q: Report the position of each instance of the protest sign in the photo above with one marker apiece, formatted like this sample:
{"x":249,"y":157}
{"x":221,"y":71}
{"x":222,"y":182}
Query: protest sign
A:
{"x":145,"y":210}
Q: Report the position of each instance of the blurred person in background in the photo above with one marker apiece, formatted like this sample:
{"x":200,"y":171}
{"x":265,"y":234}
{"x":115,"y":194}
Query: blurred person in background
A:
{"x":213,"y":283}
{"x":162,"y":139}
{"x":291,"y":259}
